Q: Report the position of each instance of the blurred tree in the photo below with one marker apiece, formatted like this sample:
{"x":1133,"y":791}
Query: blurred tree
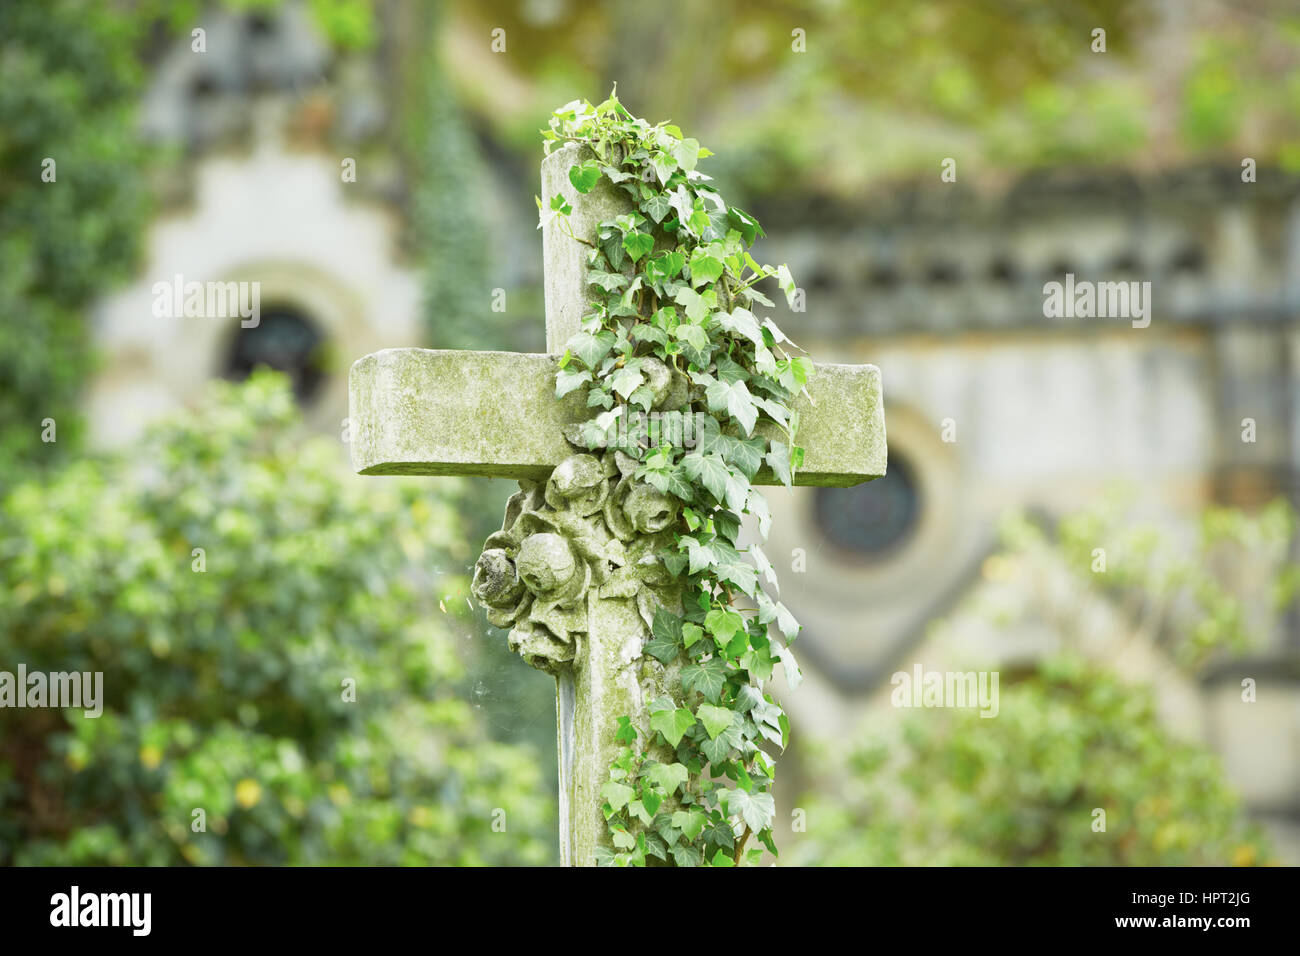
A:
{"x":447,"y":187}
{"x":225,"y":671}
{"x":836,"y":94}
{"x":68,"y":86}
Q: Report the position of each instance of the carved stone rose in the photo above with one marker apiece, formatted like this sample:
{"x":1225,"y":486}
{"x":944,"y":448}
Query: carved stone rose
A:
{"x":590,"y":532}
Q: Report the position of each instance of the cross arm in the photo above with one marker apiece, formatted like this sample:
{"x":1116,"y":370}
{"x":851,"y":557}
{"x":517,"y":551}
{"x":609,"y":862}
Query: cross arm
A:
{"x":440,"y":412}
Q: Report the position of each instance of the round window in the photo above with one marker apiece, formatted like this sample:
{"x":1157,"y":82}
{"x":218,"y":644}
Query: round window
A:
{"x":871,"y":519}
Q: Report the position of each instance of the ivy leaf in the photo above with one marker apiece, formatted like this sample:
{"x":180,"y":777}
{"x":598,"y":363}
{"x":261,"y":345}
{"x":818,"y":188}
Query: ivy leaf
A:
{"x":756,"y":504}
{"x":756,"y":809}
{"x":687,"y":152}
{"x":786,"y":281}
{"x":665,"y":637}
{"x":700,"y":556}
{"x":626,"y":733}
{"x":734,"y":399}
{"x":718,"y":750}
{"x":666,"y":265}
{"x":651,"y":801}
{"x":673,"y":724}
{"x":733,"y":569}
{"x":625,"y":304}
{"x":657,"y":207}
{"x":745,"y":224}
{"x":742,"y":322}
{"x":617,"y":795}
{"x":559,"y":206}
{"x":664,"y":166}
{"x":721,"y":859}
{"x":758,"y":661}
{"x":691,"y":634}
{"x":705,"y":268}
{"x":697,"y":304}
{"x":707,"y":678}
{"x":687,"y":855}
{"x":786,"y":622}
{"x":695,"y":342}
{"x":655,"y":846}
{"x":778,"y":459}
{"x":609,"y":281}
{"x":711,"y":470}
{"x":590,"y":349}
{"x":682,"y":203}
{"x":638,"y":244}
{"x":584,"y":176}
{"x":645,"y":332}
{"x":668,"y":777}
{"x":698,"y":221}
{"x":714,"y":719}
{"x":775,"y":411}
{"x":793,"y":675}
{"x":627,"y":379}
{"x":746,"y":454}
{"x":748,"y":697}
{"x":668,"y":480}
{"x":723,"y":625}
{"x":568,"y":380}
{"x":768,"y":718}
{"x":615,"y":174}
{"x":718,"y":833}
{"x":730,"y":371}
{"x":643,"y":397}
{"x":637,"y":809}
{"x":690,"y":822}
{"x":763,"y":565}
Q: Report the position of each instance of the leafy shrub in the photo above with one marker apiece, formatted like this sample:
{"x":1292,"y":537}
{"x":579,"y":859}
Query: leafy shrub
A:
{"x":224,"y":687}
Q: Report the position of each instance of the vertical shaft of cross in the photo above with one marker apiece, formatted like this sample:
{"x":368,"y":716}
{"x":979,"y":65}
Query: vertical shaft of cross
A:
{"x":604,"y":680}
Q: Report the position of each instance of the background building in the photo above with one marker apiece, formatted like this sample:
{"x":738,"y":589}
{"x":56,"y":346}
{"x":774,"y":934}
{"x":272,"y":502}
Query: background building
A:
{"x":991,"y":406}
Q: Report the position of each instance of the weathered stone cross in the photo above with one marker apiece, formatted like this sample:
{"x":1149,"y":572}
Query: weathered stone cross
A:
{"x":573,"y":572}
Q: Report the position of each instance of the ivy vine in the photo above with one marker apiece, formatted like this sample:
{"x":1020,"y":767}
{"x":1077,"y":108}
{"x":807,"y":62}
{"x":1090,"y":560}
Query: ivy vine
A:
{"x":675,"y":282}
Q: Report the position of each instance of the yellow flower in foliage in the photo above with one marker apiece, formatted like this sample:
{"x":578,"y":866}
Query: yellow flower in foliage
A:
{"x":248,"y":792}
{"x":150,"y":756}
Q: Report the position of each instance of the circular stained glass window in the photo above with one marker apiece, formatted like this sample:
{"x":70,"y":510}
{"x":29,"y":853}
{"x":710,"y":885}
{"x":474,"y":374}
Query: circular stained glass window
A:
{"x":874,"y":518}
{"x":285,"y":340}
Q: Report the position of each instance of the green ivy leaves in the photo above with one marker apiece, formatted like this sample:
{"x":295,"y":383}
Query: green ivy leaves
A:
{"x":672,"y":723}
{"x":673,"y":282}
{"x":584,"y":176}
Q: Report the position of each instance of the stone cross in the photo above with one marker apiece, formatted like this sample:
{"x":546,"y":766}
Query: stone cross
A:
{"x":573,"y":571}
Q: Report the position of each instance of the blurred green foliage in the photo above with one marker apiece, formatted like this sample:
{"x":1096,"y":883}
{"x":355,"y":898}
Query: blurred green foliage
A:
{"x":224,"y":687}
{"x":1199,"y":592}
{"x":1022,"y":788}
{"x":446,"y":173}
{"x":889,"y":88}
{"x":1072,"y":734}
{"x":69,"y":80}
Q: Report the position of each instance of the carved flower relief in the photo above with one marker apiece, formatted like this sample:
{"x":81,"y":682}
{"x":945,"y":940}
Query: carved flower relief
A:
{"x":591,"y":525}
{"x":578,"y":483}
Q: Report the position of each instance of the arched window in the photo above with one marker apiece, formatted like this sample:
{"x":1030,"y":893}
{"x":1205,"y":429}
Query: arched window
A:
{"x":286,"y":340}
